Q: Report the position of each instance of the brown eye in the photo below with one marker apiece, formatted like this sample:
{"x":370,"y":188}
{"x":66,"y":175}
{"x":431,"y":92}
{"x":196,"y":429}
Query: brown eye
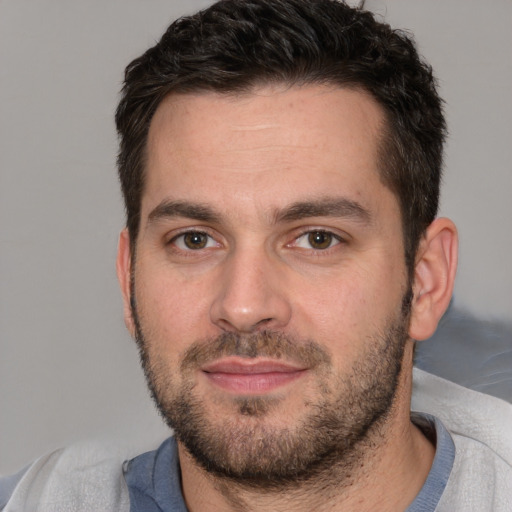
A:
{"x":195,"y":240}
{"x":320,"y":239}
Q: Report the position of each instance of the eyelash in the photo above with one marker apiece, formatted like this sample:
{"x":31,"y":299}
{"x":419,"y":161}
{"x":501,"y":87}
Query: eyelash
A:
{"x":200,"y":233}
{"x":333,"y":240}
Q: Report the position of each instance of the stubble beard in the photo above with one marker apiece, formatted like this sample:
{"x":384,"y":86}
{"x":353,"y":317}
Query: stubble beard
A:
{"x":332,"y":439}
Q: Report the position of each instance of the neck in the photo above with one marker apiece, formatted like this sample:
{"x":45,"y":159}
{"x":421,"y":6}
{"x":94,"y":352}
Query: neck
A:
{"x":384,"y":472}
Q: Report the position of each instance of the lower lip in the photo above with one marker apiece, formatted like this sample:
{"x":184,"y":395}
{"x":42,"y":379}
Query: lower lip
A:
{"x":252,"y":383}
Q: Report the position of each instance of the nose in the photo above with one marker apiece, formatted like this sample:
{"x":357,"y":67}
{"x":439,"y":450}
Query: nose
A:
{"x":251,"y":294}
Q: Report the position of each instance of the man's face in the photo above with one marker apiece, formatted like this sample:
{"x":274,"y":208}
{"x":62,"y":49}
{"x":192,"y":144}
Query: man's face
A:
{"x":269,"y":277}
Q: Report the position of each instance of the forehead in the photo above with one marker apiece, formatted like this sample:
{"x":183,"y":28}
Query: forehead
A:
{"x":264,"y":146}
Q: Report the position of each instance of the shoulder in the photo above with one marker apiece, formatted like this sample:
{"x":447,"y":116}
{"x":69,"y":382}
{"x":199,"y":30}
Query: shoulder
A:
{"x":83,"y":477}
{"x":480,"y":479}
{"x":465,"y":412}
{"x":479,"y":424}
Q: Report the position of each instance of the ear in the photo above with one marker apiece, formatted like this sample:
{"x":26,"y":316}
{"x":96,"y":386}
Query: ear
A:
{"x":124,"y":273}
{"x":434,"y":276}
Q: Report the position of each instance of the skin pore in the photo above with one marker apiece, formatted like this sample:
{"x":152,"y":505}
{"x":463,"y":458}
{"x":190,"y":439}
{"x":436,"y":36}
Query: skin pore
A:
{"x":269,"y":297}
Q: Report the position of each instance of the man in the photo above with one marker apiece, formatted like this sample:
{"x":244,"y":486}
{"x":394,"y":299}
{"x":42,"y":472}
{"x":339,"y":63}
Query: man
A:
{"x":280,"y":162}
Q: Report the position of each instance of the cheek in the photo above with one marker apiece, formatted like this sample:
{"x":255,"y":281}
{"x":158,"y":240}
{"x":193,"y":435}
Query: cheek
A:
{"x":172,"y":311}
{"x":347,"y":305}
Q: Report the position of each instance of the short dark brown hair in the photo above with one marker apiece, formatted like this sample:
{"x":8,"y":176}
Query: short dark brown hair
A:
{"x":236,"y":45}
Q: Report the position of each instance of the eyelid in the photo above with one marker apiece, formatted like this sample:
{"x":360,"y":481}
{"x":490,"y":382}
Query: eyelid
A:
{"x":171,"y":240}
{"x":341,"y":237}
{"x":335,"y":240}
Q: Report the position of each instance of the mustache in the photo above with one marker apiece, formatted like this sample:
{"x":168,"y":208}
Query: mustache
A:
{"x":266,"y":343}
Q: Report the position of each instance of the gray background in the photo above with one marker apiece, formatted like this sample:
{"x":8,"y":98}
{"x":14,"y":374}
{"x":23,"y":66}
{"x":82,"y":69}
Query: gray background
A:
{"x":68,"y":369}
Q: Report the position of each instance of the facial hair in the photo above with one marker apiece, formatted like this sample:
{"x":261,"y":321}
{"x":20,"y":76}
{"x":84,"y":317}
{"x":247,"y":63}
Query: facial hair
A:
{"x":248,"y":449}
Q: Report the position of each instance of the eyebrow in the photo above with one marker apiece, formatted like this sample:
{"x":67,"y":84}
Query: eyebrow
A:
{"x":322,"y":207}
{"x":325,"y":207}
{"x":169,"y":209}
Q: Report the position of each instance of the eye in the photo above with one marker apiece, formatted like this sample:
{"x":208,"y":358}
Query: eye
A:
{"x":317,"y":239}
{"x":193,"y":240}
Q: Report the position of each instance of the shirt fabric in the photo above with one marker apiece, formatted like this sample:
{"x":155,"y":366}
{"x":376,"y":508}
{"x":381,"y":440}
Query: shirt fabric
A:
{"x":153,"y":478}
{"x":472,"y":469}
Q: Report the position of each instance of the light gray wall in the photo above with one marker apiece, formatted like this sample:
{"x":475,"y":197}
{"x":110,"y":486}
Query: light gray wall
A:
{"x":68,"y":369}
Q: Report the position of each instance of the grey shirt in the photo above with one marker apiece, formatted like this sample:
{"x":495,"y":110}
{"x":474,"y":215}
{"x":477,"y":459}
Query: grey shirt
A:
{"x":153,"y":478}
{"x":472,"y":469}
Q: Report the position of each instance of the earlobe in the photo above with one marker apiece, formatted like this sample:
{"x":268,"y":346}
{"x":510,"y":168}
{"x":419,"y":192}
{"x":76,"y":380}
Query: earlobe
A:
{"x":124,"y":272}
{"x":434,"y":276}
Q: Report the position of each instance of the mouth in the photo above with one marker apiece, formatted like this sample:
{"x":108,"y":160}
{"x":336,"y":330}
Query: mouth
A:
{"x":251,"y":376}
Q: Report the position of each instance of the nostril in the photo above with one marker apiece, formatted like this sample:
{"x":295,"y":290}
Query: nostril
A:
{"x":261,"y":324}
